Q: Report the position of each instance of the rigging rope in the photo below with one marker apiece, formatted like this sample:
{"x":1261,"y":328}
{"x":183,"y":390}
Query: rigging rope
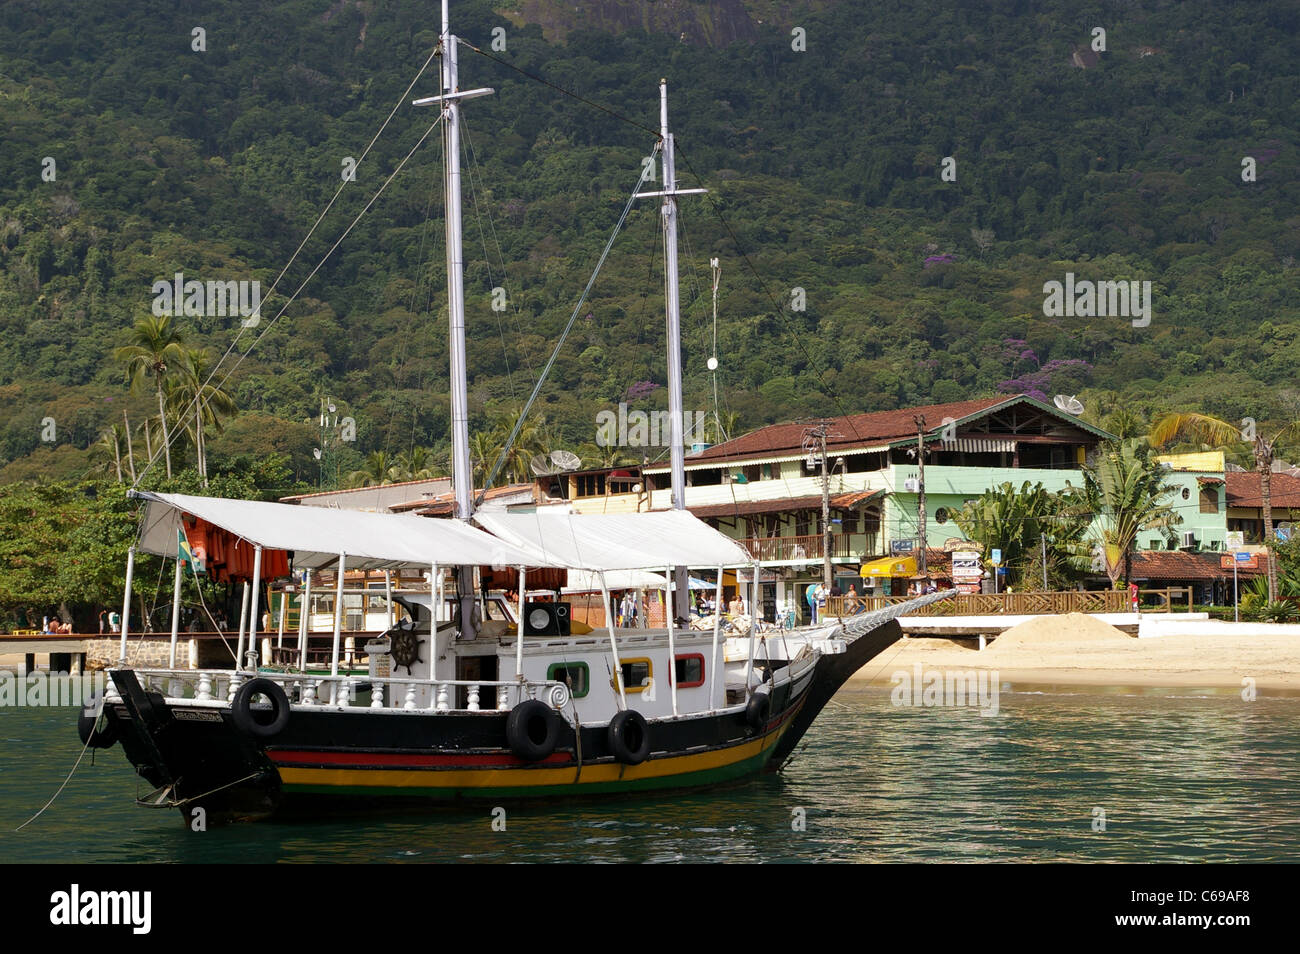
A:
{"x":555,"y":352}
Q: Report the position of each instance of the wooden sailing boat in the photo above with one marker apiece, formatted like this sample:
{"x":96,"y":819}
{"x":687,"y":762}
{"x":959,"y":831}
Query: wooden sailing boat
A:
{"x":479,"y":711}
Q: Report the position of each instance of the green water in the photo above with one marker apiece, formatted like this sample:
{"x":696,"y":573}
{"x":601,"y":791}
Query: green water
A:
{"x":1180,"y":777}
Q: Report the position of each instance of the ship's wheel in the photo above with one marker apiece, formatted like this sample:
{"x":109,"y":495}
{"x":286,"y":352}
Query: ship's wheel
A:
{"x":404,"y":646}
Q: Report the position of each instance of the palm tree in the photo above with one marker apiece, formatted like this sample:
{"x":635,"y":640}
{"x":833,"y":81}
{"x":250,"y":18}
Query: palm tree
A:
{"x":154,"y":345}
{"x":1019,"y":522}
{"x":416,"y":464}
{"x":1218,"y":433}
{"x":1124,"y":490}
{"x":110,"y":442}
{"x":191,"y":391}
{"x":378,"y":470}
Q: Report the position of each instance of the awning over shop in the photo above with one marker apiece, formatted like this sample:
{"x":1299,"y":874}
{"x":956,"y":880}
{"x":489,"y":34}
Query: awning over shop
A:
{"x":889,"y":566}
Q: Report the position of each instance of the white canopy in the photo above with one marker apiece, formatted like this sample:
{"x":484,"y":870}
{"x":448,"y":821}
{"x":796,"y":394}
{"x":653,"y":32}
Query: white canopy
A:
{"x":615,"y":541}
{"x":317,"y":536}
{"x":585,"y":581}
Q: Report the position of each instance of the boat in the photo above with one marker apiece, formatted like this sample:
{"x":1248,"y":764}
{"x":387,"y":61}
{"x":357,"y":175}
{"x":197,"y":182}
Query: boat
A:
{"x":458,"y":706}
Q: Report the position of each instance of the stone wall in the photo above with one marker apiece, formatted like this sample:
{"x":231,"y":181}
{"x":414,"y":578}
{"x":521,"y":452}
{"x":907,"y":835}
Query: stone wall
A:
{"x":150,"y":652}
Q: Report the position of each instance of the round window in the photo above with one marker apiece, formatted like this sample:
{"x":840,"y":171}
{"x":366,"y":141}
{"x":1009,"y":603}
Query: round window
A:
{"x":1186,"y":493}
{"x":941,"y":515}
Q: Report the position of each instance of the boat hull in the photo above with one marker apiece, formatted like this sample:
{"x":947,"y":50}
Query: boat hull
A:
{"x":196,"y":757}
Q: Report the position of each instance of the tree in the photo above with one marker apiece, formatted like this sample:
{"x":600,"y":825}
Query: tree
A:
{"x":1125,"y":493}
{"x":155,"y":347}
{"x":1218,"y":433}
{"x":191,"y":393}
{"x":378,"y":470}
{"x":1021,"y":522}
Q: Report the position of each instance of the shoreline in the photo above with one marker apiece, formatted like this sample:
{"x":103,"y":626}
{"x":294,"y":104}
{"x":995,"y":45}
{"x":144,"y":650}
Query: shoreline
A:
{"x":1173,"y":661}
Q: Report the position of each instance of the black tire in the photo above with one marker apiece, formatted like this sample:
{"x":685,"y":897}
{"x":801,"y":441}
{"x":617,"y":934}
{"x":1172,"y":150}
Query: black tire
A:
{"x":254,"y":722}
{"x":629,"y":737}
{"x":533,"y":730}
{"x":758,"y":710}
{"x":95,"y":731}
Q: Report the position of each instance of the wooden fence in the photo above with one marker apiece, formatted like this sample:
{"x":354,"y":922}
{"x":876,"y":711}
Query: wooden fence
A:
{"x":1026,"y":604}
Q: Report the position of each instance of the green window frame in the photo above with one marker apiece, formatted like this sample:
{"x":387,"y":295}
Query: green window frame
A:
{"x":578,"y":671}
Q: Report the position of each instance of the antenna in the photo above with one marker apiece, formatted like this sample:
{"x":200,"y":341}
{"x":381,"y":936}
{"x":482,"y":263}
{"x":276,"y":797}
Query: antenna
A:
{"x":1068,"y":403}
{"x":540,"y":465}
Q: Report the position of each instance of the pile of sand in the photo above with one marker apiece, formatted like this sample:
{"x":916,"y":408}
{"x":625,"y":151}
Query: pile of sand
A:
{"x":1071,"y":628}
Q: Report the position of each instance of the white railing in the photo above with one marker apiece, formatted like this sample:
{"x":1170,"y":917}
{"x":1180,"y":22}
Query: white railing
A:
{"x":340,"y":692}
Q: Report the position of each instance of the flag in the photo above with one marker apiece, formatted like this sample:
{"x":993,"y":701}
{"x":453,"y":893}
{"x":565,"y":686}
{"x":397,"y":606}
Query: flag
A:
{"x":192,"y":560}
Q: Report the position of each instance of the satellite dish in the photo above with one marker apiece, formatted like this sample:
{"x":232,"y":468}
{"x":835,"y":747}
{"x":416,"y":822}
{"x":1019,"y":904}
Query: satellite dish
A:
{"x":1068,"y":403}
{"x":540,"y":465}
{"x":566,"y":460}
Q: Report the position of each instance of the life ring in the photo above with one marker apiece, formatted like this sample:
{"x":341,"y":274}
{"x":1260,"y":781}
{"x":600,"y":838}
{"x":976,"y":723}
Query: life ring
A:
{"x":94,"y":730}
{"x":532,"y":730}
{"x":629,"y":737}
{"x":758,"y":710}
{"x":255,"y":723}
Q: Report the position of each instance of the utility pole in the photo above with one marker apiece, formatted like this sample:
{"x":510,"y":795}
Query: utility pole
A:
{"x":921,"y":569}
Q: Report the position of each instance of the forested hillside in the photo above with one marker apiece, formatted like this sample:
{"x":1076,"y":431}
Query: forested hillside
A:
{"x":823,"y":132}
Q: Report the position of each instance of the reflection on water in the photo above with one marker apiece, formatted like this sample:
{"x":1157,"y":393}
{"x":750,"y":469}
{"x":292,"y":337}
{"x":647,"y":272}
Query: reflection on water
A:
{"x":1178,"y":776}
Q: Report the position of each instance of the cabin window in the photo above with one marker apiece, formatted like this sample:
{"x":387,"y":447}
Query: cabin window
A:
{"x":636,"y":675}
{"x":689,"y":670}
{"x":574,"y":675}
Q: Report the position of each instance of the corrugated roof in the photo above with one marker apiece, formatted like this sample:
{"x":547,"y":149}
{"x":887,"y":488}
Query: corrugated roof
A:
{"x":741,"y":508}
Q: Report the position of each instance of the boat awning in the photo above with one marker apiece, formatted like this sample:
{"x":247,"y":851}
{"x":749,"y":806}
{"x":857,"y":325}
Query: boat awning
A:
{"x":889,"y":566}
{"x":615,"y":541}
{"x":585,"y":581}
{"x":317,"y":535}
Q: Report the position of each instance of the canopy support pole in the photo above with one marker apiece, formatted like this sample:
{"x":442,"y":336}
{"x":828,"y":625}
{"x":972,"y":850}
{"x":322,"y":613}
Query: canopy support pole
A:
{"x":613,"y":643}
{"x":176,"y":610}
{"x":713,"y":657}
{"x":126,"y":603}
{"x":753,"y":631}
{"x":672,"y":642}
{"x":388,"y":596}
{"x":243,"y":620}
{"x":338,"y":626}
{"x":519,"y":638}
{"x":284,"y":604}
{"x":304,"y":622}
{"x":255,"y":620}
{"x":435,"y":604}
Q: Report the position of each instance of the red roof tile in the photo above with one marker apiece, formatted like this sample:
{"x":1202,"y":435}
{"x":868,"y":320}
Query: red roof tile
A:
{"x":1243,"y":490}
{"x":876,"y":427}
{"x":1179,"y":565}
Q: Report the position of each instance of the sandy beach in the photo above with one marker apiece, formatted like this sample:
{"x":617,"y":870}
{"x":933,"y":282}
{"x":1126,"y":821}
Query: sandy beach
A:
{"x":1219,"y":661}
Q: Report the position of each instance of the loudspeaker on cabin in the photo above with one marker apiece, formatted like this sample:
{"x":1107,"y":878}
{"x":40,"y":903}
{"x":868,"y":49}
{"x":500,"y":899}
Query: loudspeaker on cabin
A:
{"x":546,"y":619}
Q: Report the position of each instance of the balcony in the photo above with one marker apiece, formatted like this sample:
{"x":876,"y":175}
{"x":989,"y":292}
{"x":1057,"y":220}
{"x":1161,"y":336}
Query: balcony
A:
{"x":808,"y":548}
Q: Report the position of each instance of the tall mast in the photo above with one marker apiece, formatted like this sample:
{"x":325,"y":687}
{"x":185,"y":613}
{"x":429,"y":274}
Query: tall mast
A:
{"x":462,"y":473}
{"x":677,"y":451}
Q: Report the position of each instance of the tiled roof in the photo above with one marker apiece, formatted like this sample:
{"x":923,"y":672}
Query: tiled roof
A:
{"x":1180,"y":565}
{"x":877,"y":427}
{"x":1243,"y":490}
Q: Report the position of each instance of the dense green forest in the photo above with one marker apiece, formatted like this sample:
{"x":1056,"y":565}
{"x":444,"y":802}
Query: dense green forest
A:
{"x":822,"y":130}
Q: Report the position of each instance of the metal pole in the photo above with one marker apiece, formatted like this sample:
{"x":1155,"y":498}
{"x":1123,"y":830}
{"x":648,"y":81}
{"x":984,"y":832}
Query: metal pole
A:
{"x":713,"y":655}
{"x":826,"y":515}
{"x":613,"y":643}
{"x":388,"y":596}
{"x":1043,"y":536}
{"x":749,"y":670}
{"x":338,"y":622}
{"x":243,"y":620}
{"x":304,"y":623}
{"x":284,"y":606}
{"x":1236,"y":614}
{"x":672,"y":654}
{"x":922,"y":568}
{"x":519,"y":634}
{"x":176,"y":611}
{"x":254,"y":619}
{"x":126,"y":602}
